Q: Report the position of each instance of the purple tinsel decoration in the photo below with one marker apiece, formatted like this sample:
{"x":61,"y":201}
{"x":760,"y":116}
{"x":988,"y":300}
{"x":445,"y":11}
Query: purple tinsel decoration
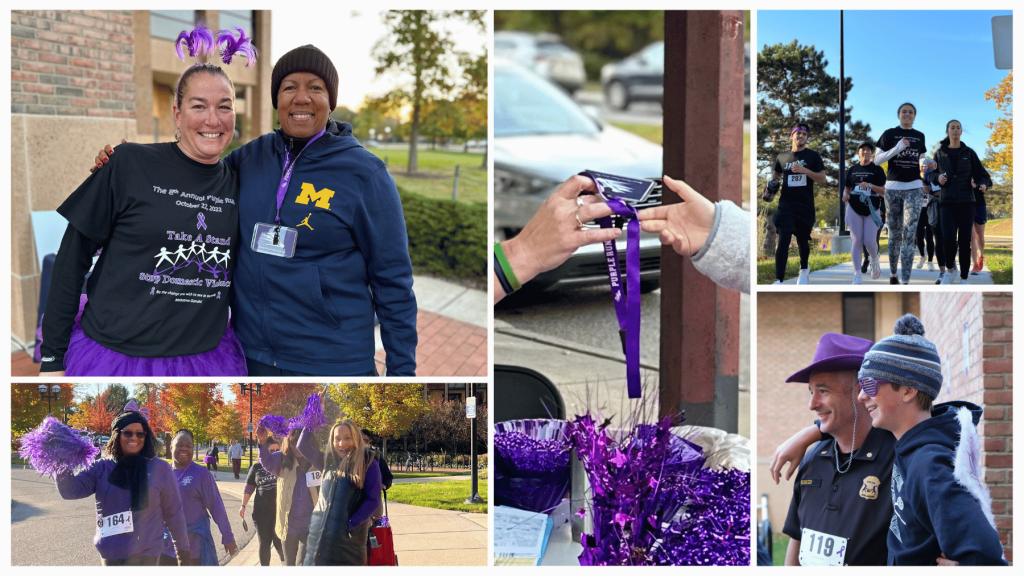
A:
{"x":240,"y":45}
{"x":54,"y":448}
{"x":653,"y":504}
{"x":197,"y":41}
{"x":313,"y":416}
{"x":531,"y":464}
{"x":277,"y":425}
{"x":294,"y":423}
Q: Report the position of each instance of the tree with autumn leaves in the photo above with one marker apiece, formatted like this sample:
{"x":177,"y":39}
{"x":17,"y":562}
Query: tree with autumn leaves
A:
{"x":387,"y":410}
{"x":999,"y":157}
{"x":28,"y":409}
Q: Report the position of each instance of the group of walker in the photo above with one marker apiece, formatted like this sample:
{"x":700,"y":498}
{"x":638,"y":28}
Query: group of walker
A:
{"x":915,"y":196}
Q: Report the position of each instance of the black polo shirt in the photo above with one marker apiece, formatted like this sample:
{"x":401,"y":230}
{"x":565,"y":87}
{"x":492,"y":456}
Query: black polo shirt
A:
{"x":856,"y":505}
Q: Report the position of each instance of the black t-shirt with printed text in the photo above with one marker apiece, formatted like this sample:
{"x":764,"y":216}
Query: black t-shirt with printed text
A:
{"x":265,"y":483}
{"x":169,"y":230}
{"x":871,"y":174}
{"x":904,"y":166}
{"x":797,"y":193}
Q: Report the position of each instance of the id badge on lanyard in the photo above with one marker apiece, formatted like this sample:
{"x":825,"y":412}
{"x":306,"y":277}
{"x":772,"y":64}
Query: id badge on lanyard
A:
{"x":277,"y":239}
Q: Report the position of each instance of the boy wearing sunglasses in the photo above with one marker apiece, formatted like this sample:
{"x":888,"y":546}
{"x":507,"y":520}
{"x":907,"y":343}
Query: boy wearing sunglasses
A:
{"x":940,"y":502}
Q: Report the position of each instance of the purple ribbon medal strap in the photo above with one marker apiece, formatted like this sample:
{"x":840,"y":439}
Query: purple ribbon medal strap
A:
{"x":621,"y":194}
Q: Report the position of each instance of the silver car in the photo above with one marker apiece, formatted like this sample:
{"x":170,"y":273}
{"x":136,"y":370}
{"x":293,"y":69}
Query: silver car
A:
{"x":541,"y":138}
{"x":545,"y":54}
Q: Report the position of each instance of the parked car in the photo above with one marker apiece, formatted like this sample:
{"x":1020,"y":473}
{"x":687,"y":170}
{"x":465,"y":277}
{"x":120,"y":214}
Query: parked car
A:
{"x":637,"y":78}
{"x":545,"y":54}
{"x":541,"y":138}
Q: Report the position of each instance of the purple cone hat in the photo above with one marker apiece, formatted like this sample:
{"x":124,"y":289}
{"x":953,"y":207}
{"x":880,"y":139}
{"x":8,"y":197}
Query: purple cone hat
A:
{"x":835,"y":353}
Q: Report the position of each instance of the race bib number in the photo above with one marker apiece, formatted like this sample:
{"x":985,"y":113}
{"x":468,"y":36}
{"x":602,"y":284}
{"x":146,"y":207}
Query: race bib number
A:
{"x":314,"y":478}
{"x":797,"y":180}
{"x":119,"y":523}
{"x":820,"y":549}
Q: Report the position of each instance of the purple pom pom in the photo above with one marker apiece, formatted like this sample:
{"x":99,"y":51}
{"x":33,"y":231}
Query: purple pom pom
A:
{"x":313,"y":415}
{"x":294,"y":423}
{"x":197,"y":41}
{"x":277,"y":425}
{"x":54,"y":448}
{"x":240,"y":45}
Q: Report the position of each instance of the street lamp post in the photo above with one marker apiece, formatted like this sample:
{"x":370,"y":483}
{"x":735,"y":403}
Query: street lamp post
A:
{"x":249,"y":389}
{"x":49,"y":392}
{"x":474,"y":492}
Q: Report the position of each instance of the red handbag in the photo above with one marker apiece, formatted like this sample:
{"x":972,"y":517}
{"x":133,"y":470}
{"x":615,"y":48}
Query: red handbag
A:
{"x":380,"y":545}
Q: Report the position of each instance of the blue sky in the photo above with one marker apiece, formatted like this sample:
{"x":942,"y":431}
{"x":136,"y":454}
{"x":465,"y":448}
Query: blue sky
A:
{"x":957,"y":45}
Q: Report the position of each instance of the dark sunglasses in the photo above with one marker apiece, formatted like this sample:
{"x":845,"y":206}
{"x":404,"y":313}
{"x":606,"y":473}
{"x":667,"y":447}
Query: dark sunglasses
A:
{"x":870,"y":386}
{"x":130,"y":434}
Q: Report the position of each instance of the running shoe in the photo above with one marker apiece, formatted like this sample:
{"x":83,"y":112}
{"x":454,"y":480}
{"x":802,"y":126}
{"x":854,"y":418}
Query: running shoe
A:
{"x":931,"y":266}
{"x":941,"y":276}
{"x":804,"y":273}
{"x":946,"y":279}
{"x":777,"y":282}
{"x":876,"y":270}
{"x":977,"y":268}
{"x":956,"y":280}
{"x":981,"y":263}
{"x":864,"y":266}
{"x":893,"y":281}
{"x":856,"y":278}
{"x":920,"y":262}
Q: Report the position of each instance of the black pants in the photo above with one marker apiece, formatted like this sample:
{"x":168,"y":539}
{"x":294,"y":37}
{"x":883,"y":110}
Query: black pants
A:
{"x":925,"y":235}
{"x":295,"y":549}
{"x":957,"y":224}
{"x":267,"y":536}
{"x":260,"y":369}
{"x":166,"y":560}
{"x":789,"y":227}
{"x":133,"y":561}
{"x":211,"y":466}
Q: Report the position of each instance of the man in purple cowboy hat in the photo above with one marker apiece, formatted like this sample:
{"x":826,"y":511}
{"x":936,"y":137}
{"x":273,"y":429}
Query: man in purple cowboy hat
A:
{"x":840,"y":510}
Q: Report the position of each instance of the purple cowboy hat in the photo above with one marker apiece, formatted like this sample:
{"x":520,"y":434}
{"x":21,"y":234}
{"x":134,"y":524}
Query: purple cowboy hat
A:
{"x":835,"y":353}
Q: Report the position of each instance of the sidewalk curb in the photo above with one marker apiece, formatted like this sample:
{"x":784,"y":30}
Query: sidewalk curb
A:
{"x":574,"y":347}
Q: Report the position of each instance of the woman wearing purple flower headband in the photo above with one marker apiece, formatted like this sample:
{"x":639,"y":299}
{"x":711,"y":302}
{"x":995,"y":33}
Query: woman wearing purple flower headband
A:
{"x":136,"y":495}
{"x":166,"y":219}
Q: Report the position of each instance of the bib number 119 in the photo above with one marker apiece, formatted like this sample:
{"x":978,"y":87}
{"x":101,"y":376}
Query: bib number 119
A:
{"x":820,"y":549}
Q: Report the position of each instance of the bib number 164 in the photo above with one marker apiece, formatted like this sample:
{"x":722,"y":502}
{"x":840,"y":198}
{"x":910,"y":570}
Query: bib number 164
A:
{"x":820,"y":549}
{"x":115,"y":524}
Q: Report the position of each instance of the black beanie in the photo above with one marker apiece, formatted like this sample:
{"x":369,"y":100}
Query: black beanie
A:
{"x":310,"y":59}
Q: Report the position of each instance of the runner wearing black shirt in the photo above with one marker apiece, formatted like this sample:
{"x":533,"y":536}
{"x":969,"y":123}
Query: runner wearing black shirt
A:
{"x":864,"y":181}
{"x":797,"y":170}
{"x":902,"y":147}
{"x":264,"y":508}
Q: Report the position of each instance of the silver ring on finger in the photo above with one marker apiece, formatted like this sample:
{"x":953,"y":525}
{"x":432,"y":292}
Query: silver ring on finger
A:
{"x":579,"y":200}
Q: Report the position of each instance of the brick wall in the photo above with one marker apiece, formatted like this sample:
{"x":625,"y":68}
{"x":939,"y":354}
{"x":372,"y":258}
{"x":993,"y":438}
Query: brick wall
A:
{"x":988,"y":382}
{"x":75,"y":63}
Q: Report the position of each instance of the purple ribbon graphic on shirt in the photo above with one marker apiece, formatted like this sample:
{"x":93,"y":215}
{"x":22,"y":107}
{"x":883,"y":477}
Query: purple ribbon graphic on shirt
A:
{"x":202,"y":221}
{"x":627,"y":306}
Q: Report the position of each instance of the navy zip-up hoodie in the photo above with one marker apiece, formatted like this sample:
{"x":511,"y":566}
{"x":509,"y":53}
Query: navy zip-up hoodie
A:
{"x":314,"y":313}
{"x":933,"y":512}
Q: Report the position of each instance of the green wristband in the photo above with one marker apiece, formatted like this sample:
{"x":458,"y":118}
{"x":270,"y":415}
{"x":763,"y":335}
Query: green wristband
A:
{"x":506,"y":267}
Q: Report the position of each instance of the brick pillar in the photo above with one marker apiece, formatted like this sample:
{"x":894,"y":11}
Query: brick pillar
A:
{"x":997,"y":425}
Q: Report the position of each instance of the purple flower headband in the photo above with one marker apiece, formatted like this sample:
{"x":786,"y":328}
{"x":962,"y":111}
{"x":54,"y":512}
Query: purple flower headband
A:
{"x":201,"y":40}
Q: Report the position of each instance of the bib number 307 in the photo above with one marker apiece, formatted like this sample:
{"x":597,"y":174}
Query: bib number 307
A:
{"x":119,"y":523}
{"x":820,"y":549}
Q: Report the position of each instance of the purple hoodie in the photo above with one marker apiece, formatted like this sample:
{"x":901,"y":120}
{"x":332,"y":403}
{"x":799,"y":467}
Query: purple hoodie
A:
{"x":147,"y":538}
{"x":302,"y":502}
{"x":199,"y":493}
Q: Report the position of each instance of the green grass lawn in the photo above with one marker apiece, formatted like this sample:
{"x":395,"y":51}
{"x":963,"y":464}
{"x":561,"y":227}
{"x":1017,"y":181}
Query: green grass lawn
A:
{"x":439,"y":495}
{"x":654,"y":134}
{"x":429,"y":474}
{"x":1001,"y":227}
{"x":439,"y":167}
{"x":779,"y":544}
{"x":1000,"y":263}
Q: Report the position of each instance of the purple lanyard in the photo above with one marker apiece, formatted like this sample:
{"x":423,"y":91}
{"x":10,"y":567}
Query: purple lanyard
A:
{"x":627,"y":306}
{"x":286,"y":176}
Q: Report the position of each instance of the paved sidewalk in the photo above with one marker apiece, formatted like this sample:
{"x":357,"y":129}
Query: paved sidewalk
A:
{"x":451,"y":324}
{"x":423,"y":536}
{"x":843,"y":274}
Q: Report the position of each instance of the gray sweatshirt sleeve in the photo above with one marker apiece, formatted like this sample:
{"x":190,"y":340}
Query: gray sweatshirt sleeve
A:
{"x":725,"y":256}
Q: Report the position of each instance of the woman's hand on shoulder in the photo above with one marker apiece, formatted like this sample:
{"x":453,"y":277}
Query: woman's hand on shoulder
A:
{"x":104,"y":156}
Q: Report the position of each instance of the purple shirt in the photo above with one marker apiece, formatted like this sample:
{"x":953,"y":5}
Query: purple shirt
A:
{"x":147,"y":538}
{"x":371,"y":484}
{"x":199,"y":494}
{"x":302,"y":501}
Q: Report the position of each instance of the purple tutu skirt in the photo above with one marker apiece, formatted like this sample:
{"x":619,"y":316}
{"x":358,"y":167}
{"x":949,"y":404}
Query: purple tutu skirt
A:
{"x":87,"y":357}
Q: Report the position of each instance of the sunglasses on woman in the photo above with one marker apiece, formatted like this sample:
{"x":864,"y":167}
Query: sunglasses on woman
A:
{"x":870,"y":385}
{"x":130,"y":434}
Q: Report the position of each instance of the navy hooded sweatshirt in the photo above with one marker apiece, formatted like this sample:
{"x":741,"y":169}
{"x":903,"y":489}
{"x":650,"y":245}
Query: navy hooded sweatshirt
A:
{"x":314,"y":313}
{"x":933,"y":512}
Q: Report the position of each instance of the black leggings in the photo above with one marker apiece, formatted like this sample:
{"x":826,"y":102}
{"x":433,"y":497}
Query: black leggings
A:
{"x":925,"y":235}
{"x":957,"y":224}
{"x":789,"y":227}
{"x":267,"y":536}
{"x":211,"y":466}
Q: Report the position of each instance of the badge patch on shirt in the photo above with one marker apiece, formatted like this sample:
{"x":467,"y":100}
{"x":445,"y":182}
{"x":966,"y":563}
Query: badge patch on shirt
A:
{"x":815,"y":482}
{"x":869,"y":490}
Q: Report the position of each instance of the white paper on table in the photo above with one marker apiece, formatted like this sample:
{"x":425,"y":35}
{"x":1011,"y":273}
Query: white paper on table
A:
{"x":518,"y":532}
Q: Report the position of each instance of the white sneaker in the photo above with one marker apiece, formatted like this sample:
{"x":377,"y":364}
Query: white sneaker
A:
{"x":777,"y":282}
{"x":802,"y":279}
{"x":931,"y":266}
{"x":920,"y":262}
{"x":856,"y":277}
{"x":956,"y":280}
{"x":953,"y":269}
{"x":876,"y":270}
{"x":945,"y":278}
